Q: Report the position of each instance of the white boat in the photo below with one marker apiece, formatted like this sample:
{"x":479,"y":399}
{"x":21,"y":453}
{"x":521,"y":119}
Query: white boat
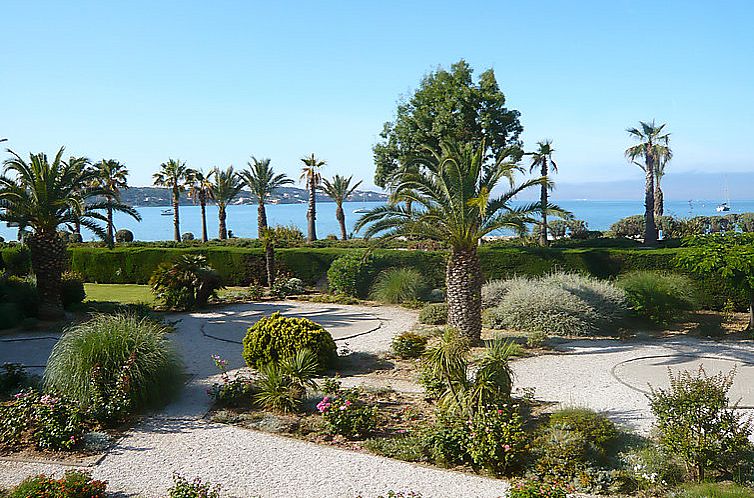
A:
{"x":721,"y":208}
{"x":166,"y":212}
{"x":361,"y":210}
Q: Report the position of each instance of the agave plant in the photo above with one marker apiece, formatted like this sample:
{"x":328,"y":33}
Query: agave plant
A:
{"x":42,"y":196}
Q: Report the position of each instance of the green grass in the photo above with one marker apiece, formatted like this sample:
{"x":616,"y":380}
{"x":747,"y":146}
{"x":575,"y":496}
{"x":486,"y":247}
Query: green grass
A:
{"x":131,"y":293}
{"x":715,"y":490}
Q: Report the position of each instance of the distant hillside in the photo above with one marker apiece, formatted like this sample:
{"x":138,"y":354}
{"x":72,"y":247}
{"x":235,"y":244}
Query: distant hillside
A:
{"x":154,"y":196}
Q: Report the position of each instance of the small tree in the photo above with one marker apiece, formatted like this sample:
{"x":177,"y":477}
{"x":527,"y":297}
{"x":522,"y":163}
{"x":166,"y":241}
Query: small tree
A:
{"x":729,"y":256}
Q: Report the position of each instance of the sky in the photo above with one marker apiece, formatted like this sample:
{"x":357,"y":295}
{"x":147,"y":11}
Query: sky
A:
{"x":213,"y":83}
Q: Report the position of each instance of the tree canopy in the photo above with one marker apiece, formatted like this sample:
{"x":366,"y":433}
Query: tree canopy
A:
{"x":448,"y":105}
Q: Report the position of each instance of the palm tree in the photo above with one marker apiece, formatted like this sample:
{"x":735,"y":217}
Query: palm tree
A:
{"x":80,"y":163}
{"x":339,"y":190}
{"x":174,"y":175}
{"x":200,"y":189}
{"x":310,"y":173}
{"x":226,"y":184}
{"x":42,"y":195}
{"x":451,"y":191}
{"x":262,"y":181}
{"x":658,"y":194}
{"x":113,"y":177}
{"x":652,"y":147}
{"x":542,"y":159}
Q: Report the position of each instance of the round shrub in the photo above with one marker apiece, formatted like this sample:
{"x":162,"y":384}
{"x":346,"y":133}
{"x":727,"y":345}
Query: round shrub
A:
{"x":22,"y":292}
{"x":398,"y":285}
{"x":92,"y":358}
{"x":409,"y":345}
{"x":434,"y":314}
{"x":124,"y":235}
{"x":276,"y":337}
{"x":351,"y":275}
{"x":495,"y":290}
{"x":596,"y":428}
{"x":71,"y":289}
{"x":660,"y":297}
{"x":17,"y":260}
{"x":10,"y":316}
{"x":558,"y":304}
{"x":187,"y":236}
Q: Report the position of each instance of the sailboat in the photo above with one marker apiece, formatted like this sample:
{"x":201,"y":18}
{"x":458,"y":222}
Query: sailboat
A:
{"x":725,"y":206}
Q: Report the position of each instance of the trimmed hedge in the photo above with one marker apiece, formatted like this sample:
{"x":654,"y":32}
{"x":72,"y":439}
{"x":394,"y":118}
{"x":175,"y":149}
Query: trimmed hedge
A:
{"x":244,"y":265}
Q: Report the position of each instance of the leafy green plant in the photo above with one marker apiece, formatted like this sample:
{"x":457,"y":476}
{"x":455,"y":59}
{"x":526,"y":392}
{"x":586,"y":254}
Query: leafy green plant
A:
{"x":230,"y":392}
{"x":409,"y":448}
{"x":10,"y":316}
{"x":282,"y":385}
{"x":283,"y":288}
{"x":535,"y":488}
{"x":598,"y":430}
{"x":71,"y":289}
{"x":22,"y":292}
{"x":398,"y":285}
{"x":660,"y":297}
{"x":185,"y":284}
{"x":275,"y":337}
{"x":434,"y":314}
{"x":498,"y":441}
{"x":48,"y":421}
{"x":93,"y":358}
{"x":347,"y":415}
{"x":652,"y":469}
{"x":12,"y":377}
{"x":196,"y":488}
{"x":123,"y":235}
{"x":714,"y":490}
{"x":351,"y":275}
{"x":695,"y":422}
{"x":409,"y":344}
{"x":73,"y":484}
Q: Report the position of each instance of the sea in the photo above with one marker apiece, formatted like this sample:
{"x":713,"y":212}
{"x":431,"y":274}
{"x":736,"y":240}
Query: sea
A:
{"x":242,"y":219}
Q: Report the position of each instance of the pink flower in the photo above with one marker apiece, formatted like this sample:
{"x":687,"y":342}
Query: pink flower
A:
{"x":500,"y":412}
{"x":348,"y":403}
{"x":507,"y":447}
{"x":342,"y":407}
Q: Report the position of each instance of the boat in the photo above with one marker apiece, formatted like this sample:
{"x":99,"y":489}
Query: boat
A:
{"x":166,"y":212}
{"x":725,"y":206}
{"x":361,"y":210}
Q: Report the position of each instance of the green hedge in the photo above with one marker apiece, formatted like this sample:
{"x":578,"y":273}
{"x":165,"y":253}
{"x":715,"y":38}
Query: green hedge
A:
{"x":242,"y":265}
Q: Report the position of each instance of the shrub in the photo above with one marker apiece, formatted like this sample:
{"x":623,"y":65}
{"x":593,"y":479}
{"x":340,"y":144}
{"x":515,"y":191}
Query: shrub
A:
{"x":185,"y":284}
{"x":661,"y":297}
{"x":494,"y":291}
{"x":282,"y":384}
{"x":652,"y":469}
{"x":409,"y":344}
{"x":696,"y":424}
{"x":398,"y":285}
{"x":71,"y":289}
{"x":124,"y":235}
{"x":17,"y":260}
{"x":558,"y":304}
{"x":630,"y":226}
{"x":196,"y":488}
{"x":448,"y":440}
{"x":23,"y":293}
{"x":714,"y":490}
{"x":434,"y":314}
{"x":347,"y":415}
{"x":275,"y":337}
{"x":255,"y":292}
{"x":351,"y":275}
{"x":229,"y":392}
{"x":597,"y":429}
{"x":498,"y":441}
{"x":10,"y":315}
{"x":534,"y":488}
{"x":287,"y":287}
{"x":12,"y":377}
{"x":73,"y":484}
{"x":187,"y":236}
{"x":94,"y":361}
{"x":49,"y":421}
{"x":409,"y":448}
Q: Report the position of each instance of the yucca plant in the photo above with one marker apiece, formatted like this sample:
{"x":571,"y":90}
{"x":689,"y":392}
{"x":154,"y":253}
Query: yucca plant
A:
{"x":283,"y":384}
{"x":100,"y":349}
{"x":452,"y":194}
{"x":41,"y":195}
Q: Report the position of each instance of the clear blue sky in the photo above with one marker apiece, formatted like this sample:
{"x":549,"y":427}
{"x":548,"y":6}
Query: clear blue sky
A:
{"x":215,"y":82}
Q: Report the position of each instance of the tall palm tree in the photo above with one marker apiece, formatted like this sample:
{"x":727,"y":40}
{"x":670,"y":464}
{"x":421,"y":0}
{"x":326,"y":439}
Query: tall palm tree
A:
{"x":652,"y":146}
{"x":310,"y":173}
{"x":174,"y":175}
{"x":339,"y":189}
{"x":41,"y":195}
{"x":80,"y":163}
{"x":226,"y":184}
{"x":658,"y":194}
{"x":200,"y":190}
{"x":452,"y":194}
{"x":262,"y":181}
{"x":113,"y":177}
{"x":542,"y":159}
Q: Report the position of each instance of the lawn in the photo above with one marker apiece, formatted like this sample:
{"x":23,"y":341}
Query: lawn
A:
{"x":130,"y":293}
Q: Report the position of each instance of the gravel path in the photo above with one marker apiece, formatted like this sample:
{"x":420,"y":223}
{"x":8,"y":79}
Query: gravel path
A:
{"x":249,"y":463}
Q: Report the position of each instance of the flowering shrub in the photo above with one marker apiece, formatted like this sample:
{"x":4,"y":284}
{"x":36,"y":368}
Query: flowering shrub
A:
{"x":283,"y":287}
{"x":229,"y":391}
{"x":533,"y":488}
{"x":48,"y":421}
{"x":73,"y":484}
{"x":111,"y":404}
{"x":497,"y":439}
{"x":409,"y":345}
{"x":183,"y":488}
{"x":346,"y":415}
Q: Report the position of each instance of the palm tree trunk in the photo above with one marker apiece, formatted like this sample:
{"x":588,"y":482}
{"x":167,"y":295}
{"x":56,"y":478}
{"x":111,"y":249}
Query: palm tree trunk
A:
{"x":261,"y":218}
{"x":176,"y":218}
{"x":463,"y":278}
{"x":269,"y":257}
{"x":650,"y":228}
{"x":659,"y":200}
{"x":110,"y":236}
{"x":311,"y":213}
{"x":203,"y":206}
{"x":47,"y":262}
{"x":543,"y":202}
{"x":751,"y":313}
{"x":341,"y":217}
{"x":223,"y":232}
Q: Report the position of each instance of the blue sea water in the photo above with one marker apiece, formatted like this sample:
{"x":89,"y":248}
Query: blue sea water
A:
{"x":242,"y":220}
